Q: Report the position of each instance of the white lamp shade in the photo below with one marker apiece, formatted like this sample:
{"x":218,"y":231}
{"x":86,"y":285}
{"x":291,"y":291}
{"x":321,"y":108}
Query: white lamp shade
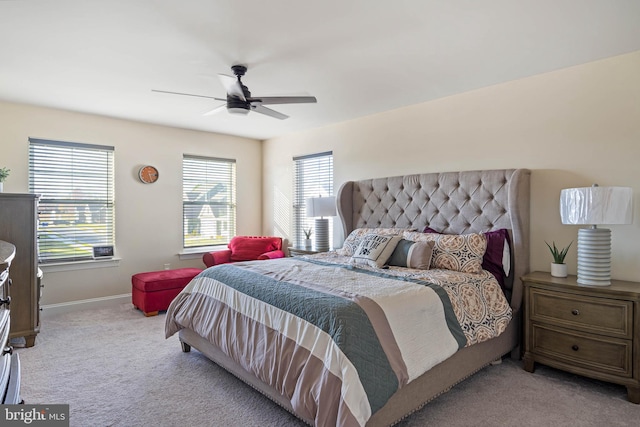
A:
{"x":320,"y":206}
{"x":596,"y":205}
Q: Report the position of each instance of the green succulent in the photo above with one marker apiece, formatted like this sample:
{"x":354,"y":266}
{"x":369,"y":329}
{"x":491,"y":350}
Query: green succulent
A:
{"x":4,"y":173}
{"x":558,"y":254}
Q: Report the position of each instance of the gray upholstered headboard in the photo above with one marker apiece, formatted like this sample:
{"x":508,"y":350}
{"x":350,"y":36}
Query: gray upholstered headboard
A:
{"x":450,"y":202}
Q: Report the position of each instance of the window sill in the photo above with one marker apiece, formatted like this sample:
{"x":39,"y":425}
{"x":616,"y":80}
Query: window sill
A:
{"x":195,"y":253}
{"x":79,"y":265}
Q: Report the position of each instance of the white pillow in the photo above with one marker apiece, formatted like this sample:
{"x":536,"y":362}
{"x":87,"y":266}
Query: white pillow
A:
{"x":375,"y":250}
{"x":355,"y":237}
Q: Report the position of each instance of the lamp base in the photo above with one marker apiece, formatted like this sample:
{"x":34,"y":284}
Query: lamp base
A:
{"x":594,"y":256}
{"x":322,"y":235}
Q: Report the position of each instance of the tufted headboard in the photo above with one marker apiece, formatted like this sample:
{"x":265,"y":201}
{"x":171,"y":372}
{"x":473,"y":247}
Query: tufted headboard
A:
{"x":450,"y":202}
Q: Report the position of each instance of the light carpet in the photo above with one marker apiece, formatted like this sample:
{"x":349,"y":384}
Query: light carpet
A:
{"x":114,"y":367}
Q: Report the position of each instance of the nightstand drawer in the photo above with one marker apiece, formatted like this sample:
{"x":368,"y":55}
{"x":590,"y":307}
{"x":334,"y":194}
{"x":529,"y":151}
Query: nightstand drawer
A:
{"x":604,"y":316}
{"x":606,"y":355}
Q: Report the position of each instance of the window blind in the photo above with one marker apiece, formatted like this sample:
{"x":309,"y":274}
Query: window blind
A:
{"x":313,"y":177}
{"x":76,"y":209}
{"x":208,"y":200}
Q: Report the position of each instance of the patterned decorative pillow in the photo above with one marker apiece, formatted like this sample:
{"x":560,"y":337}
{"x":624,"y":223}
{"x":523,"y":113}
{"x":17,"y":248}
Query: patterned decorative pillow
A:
{"x":355,"y":237}
{"x":457,"y":252}
{"x":375,"y":250}
{"x":412,"y":254}
{"x":497,"y":257}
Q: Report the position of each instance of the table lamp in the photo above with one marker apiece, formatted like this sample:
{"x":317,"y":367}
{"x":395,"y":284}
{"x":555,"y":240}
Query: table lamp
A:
{"x":595,"y":206}
{"x":318,"y":208}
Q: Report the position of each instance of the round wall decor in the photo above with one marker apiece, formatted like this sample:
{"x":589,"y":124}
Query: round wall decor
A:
{"x":148,"y":174}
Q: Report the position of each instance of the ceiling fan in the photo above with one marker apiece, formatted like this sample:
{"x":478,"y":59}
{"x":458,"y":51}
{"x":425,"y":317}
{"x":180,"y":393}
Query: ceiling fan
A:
{"x":240,"y":101}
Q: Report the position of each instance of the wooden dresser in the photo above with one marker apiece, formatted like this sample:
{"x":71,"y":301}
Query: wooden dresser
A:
{"x":585,"y":330}
{"x":19,"y":225}
{"x":9,"y":362}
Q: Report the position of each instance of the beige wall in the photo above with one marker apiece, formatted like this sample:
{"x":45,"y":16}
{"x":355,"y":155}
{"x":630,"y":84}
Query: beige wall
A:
{"x":571,"y":127}
{"x":148,"y":217}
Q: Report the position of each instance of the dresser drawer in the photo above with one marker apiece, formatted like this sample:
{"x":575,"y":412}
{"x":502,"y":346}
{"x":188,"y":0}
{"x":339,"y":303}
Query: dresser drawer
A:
{"x":5,"y":323}
{"x":5,"y":371}
{"x":603,"y":316}
{"x":576,"y":349}
{"x":12,"y":393}
{"x":4,"y":277}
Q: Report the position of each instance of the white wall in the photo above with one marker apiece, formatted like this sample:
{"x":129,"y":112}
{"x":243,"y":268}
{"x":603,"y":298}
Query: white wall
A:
{"x":148,"y":217}
{"x":571,"y":127}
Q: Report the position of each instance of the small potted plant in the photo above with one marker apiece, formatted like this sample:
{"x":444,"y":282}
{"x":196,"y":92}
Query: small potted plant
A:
{"x":4,"y":173}
{"x":307,"y":240}
{"x":558,"y":267}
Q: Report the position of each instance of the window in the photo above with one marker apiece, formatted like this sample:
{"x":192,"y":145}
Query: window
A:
{"x":312,"y":177}
{"x":208,"y":201}
{"x":75,"y":183}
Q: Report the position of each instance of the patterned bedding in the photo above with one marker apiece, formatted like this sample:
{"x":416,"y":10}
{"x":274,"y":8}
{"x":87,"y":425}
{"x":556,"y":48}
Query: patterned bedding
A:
{"x":336,"y":340}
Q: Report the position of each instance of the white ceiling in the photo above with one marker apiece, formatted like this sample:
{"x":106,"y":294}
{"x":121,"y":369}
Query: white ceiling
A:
{"x":358,"y":57}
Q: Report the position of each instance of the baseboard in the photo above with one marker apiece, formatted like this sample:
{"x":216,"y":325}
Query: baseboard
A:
{"x":85,"y":304}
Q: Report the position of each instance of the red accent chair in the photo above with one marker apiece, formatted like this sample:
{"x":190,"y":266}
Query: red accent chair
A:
{"x":246,"y":248}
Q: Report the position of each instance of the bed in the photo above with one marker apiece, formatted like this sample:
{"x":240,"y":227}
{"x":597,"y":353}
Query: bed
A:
{"x":267,"y":322}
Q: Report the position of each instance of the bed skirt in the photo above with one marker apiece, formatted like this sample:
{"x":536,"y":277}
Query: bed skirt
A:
{"x":407,"y":400}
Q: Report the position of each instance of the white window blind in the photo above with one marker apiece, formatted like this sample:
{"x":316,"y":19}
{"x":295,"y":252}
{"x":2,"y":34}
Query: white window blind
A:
{"x":76,"y":186}
{"x":208,"y":200}
{"x":312,"y":177}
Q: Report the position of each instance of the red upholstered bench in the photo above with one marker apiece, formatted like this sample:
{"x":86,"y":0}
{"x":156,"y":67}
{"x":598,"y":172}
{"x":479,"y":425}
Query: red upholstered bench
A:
{"x":153,"y":291}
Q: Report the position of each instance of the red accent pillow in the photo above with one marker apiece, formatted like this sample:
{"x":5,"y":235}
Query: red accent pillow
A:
{"x":492,"y":260}
{"x":271,"y":255}
{"x":249,"y":248}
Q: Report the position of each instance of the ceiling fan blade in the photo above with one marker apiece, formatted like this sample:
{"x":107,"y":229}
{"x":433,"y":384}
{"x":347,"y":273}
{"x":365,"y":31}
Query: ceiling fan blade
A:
{"x":188,"y":94}
{"x":266,"y":100}
{"x":216,"y":110}
{"x":268,"y":112}
{"x":232,"y":86}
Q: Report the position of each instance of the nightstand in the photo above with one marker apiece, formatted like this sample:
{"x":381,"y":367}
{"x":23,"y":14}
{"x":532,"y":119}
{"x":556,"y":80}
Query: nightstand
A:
{"x":300,"y":251}
{"x":585,"y":330}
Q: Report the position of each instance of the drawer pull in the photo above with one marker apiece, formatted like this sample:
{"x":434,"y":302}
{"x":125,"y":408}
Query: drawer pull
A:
{"x":5,"y":301}
{"x":575,"y":347}
{"x":575,"y":312}
{"x":7,"y":350}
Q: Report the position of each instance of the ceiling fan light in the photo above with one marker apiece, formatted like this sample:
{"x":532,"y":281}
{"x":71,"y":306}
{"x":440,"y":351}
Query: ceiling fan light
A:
{"x":236,"y":110}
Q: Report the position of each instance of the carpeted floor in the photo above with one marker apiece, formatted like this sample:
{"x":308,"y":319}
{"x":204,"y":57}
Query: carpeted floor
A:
{"x":114,"y":367}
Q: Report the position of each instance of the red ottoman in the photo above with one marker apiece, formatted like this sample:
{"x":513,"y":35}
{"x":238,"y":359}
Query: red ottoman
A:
{"x":153,"y":291}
